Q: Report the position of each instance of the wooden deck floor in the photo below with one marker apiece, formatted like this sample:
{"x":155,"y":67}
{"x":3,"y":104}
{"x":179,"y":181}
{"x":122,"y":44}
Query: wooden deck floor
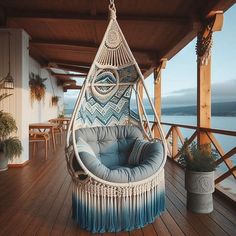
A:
{"x":36,"y":200}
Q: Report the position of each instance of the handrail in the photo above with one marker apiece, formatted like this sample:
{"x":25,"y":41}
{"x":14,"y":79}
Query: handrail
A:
{"x":218,"y":131}
{"x":174,"y":135}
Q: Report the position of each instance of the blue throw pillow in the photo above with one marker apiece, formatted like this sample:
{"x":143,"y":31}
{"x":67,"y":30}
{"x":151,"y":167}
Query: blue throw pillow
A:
{"x":134,"y":157}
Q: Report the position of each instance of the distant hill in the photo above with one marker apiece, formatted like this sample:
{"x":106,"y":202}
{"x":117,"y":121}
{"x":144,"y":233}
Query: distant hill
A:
{"x":217,"y":109}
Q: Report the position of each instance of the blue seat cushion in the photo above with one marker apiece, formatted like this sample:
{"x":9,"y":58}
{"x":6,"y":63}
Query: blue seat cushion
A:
{"x":151,"y":157}
{"x":111,"y":145}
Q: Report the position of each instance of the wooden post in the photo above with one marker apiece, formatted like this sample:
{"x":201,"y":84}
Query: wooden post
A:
{"x":175,"y":149}
{"x":157,"y":92}
{"x":140,"y":90}
{"x":203,"y":50}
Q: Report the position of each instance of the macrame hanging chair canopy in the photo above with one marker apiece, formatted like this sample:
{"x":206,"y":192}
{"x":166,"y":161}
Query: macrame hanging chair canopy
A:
{"x":105,"y":101}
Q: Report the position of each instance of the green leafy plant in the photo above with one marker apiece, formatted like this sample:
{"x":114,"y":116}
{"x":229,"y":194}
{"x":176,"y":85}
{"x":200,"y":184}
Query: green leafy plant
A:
{"x":4,"y":95}
{"x":55,"y":100}
{"x":10,"y":146}
{"x":37,"y":87}
{"x":61,"y":115}
{"x":198,"y":158}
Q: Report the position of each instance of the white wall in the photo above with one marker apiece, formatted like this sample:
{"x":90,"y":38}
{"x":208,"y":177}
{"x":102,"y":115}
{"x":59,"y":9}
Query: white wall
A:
{"x":19,"y":104}
{"x":43,"y":111}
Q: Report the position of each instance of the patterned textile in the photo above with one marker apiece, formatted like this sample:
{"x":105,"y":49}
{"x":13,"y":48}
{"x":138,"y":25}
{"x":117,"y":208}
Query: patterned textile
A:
{"x":101,"y":113}
{"x":107,"y":98}
{"x":134,"y":157}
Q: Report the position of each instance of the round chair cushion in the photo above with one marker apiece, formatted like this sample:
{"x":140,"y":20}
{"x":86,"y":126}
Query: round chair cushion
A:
{"x":151,"y":158}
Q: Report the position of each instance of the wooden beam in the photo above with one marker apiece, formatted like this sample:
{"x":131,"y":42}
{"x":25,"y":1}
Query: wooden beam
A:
{"x":68,"y":75}
{"x":83,"y":45}
{"x":15,"y":14}
{"x":82,"y":65}
{"x":187,"y":35}
{"x":148,"y":72}
{"x":157,"y":92}
{"x":68,"y":68}
{"x":218,"y":19}
{"x":2,"y":17}
{"x":65,"y":88}
{"x":203,"y":50}
{"x":70,"y":63}
{"x":203,"y":100}
{"x":69,"y":82}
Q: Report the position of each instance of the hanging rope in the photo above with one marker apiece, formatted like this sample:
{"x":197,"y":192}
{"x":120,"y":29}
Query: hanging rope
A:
{"x":112,"y":9}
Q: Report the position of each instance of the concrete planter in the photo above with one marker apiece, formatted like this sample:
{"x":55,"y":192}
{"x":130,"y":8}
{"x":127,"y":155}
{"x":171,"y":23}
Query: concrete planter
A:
{"x":199,"y":186}
{"x":3,"y":162}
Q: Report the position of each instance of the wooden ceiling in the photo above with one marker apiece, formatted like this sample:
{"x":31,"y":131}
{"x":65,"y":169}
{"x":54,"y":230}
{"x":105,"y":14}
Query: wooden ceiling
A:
{"x":66,"y":34}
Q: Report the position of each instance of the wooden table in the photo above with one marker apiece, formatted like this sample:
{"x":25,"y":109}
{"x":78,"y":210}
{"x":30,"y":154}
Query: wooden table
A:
{"x":43,"y":127}
{"x":64,"y":121}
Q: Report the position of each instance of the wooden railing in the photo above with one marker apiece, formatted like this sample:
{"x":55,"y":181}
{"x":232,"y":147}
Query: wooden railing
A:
{"x":174,"y":137}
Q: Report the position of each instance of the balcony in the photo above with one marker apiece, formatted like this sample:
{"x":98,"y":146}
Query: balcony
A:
{"x":36,"y":200}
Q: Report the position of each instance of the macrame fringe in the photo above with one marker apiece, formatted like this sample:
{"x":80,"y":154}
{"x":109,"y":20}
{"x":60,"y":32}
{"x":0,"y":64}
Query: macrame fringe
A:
{"x":100,"y":208}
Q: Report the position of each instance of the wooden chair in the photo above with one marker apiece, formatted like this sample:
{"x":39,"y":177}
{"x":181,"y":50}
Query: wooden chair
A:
{"x":35,"y":137}
{"x":58,"y":129}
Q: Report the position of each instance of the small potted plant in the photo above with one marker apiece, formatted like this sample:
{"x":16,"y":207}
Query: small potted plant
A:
{"x":9,"y":146}
{"x":37,"y":87}
{"x":55,"y":100}
{"x":200,"y":164}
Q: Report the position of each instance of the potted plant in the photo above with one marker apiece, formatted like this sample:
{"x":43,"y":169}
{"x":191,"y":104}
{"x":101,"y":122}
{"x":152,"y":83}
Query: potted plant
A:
{"x":37,"y":87}
{"x":55,"y":100}
{"x":9,"y":146}
{"x":200,"y":164}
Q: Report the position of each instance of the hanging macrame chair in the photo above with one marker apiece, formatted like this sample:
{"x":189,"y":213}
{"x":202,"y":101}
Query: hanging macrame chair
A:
{"x":111,"y":193}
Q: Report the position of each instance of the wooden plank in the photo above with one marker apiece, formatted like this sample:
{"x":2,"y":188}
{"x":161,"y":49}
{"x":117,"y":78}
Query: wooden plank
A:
{"x":228,"y":162}
{"x":40,"y":214}
{"x":12,"y":200}
{"x":81,"y":45}
{"x":227,"y":155}
{"x":136,"y":232}
{"x":71,"y":227}
{"x":231,"y":171}
{"x":149,"y":230}
{"x":52,"y":191}
{"x":214,"y":219}
{"x":171,"y":224}
{"x":174,"y":195}
{"x":76,"y":87}
{"x":122,"y":233}
{"x":65,"y":16}
{"x":184,"y":224}
{"x":184,"y":37}
{"x":60,"y":223}
{"x":68,"y":68}
{"x":47,"y":225}
{"x":82,"y":76}
{"x":217,"y":131}
{"x":29,"y":204}
{"x":160,"y":227}
{"x":180,"y":135}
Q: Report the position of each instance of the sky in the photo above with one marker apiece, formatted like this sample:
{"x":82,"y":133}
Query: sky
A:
{"x":179,"y":79}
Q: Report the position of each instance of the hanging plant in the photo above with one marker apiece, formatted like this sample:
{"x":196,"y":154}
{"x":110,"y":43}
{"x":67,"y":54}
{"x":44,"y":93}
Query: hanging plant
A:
{"x":37,"y":87}
{"x":55,"y":100}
